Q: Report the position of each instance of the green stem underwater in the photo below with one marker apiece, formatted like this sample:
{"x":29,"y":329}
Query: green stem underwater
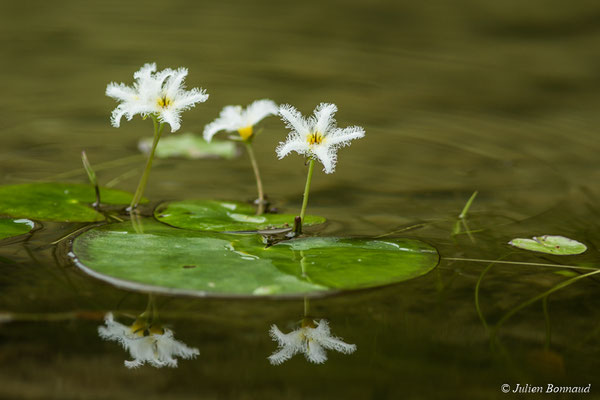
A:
{"x":137,"y":197}
{"x":261,"y":195}
{"x":311,"y":167}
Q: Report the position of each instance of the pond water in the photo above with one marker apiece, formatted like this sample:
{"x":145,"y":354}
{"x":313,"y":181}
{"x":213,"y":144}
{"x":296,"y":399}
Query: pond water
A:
{"x":498,"y":97}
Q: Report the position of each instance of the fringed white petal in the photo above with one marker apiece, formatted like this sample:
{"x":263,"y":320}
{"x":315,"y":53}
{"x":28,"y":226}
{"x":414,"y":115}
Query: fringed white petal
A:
{"x":120,"y":91}
{"x":146,"y":71}
{"x":188,"y":99}
{"x":281,"y":338}
{"x":294,"y":143}
{"x":337,"y":344}
{"x":259,"y":110}
{"x":212,"y":129}
{"x":326,"y":155}
{"x":342,"y":137}
{"x":174,"y":83}
{"x":133,"y":364}
{"x":294,"y":119}
{"x":324,"y":121}
{"x":282,"y":355}
{"x":170,"y":116}
{"x":315,"y":353}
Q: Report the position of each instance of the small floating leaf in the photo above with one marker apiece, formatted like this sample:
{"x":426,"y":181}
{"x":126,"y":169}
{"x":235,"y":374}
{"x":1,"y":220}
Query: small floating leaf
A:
{"x":14,"y":227}
{"x":67,"y":202}
{"x":558,"y":245}
{"x":156,"y":257}
{"x":212,"y":215}
{"x":188,"y":145}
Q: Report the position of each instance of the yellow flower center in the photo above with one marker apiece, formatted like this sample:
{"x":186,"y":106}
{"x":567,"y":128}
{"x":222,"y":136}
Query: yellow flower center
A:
{"x":164,"y":102}
{"x":142,"y":328}
{"x":246,"y":132}
{"x":315,"y":138}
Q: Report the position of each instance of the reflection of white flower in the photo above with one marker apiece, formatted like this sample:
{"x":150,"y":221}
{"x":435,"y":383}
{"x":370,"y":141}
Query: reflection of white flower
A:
{"x":235,"y":118}
{"x":155,"y":93}
{"x":154,"y":345}
{"x":317,"y":136}
{"x":311,"y":339}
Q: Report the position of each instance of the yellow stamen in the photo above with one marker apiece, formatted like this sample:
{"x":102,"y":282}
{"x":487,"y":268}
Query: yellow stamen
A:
{"x":315,"y":138}
{"x":246,"y":132}
{"x":164,"y":102}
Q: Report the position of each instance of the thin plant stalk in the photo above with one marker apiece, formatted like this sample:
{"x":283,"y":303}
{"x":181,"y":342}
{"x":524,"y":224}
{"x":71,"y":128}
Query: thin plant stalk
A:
{"x":465,"y":210}
{"x":311,"y":167}
{"x":259,"y":187}
{"x":158,"y":127}
{"x":92,"y":177}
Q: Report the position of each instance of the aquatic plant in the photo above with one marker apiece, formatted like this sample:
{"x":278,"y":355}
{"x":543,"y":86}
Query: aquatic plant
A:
{"x":317,"y":138}
{"x":243,"y":121}
{"x":312,"y":338}
{"x":158,"y":95}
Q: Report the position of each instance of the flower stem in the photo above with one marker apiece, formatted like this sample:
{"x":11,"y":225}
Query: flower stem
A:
{"x":311,"y":166}
{"x":261,"y":195}
{"x":158,"y":127}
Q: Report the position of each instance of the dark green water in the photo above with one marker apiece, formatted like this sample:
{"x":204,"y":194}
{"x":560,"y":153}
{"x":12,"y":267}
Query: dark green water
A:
{"x":500,"y":97}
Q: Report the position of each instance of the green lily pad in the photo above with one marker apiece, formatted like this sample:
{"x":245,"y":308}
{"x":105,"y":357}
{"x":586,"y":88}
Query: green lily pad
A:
{"x":341,"y":263}
{"x":68,"y":202}
{"x":155,"y":257}
{"x":14,"y":227}
{"x":189,"y":145}
{"x":221,"y":216}
{"x":558,"y":245}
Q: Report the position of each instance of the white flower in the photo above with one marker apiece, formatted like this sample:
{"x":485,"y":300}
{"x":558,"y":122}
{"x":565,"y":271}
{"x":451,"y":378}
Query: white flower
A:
{"x":235,"y":118}
{"x":155,"y":93}
{"x":311,"y":339}
{"x":317,"y":136}
{"x":154,"y":345}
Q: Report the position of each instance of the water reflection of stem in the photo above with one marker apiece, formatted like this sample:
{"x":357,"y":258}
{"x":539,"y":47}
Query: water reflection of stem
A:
{"x":158,"y":127}
{"x":306,"y":307}
{"x":261,"y":196}
{"x":539,"y":297}
{"x":477,"y":306}
{"x":547,"y":319}
{"x":136,"y":222}
{"x":311,"y":167}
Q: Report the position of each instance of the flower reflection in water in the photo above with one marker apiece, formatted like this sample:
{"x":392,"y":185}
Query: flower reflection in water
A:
{"x":147,"y":341}
{"x":312,"y":339}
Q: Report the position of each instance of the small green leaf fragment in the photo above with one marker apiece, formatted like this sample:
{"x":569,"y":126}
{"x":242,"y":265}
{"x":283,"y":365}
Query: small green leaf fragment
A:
{"x":223,"y":216}
{"x":191,"y":146}
{"x":14,"y":227}
{"x":550,"y":244}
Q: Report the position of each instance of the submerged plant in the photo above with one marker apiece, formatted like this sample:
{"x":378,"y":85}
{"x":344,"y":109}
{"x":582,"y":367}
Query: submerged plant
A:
{"x":317,"y":138}
{"x":158,"y":95}
{"x":237,"y":119}
{"x":312,"y":338}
